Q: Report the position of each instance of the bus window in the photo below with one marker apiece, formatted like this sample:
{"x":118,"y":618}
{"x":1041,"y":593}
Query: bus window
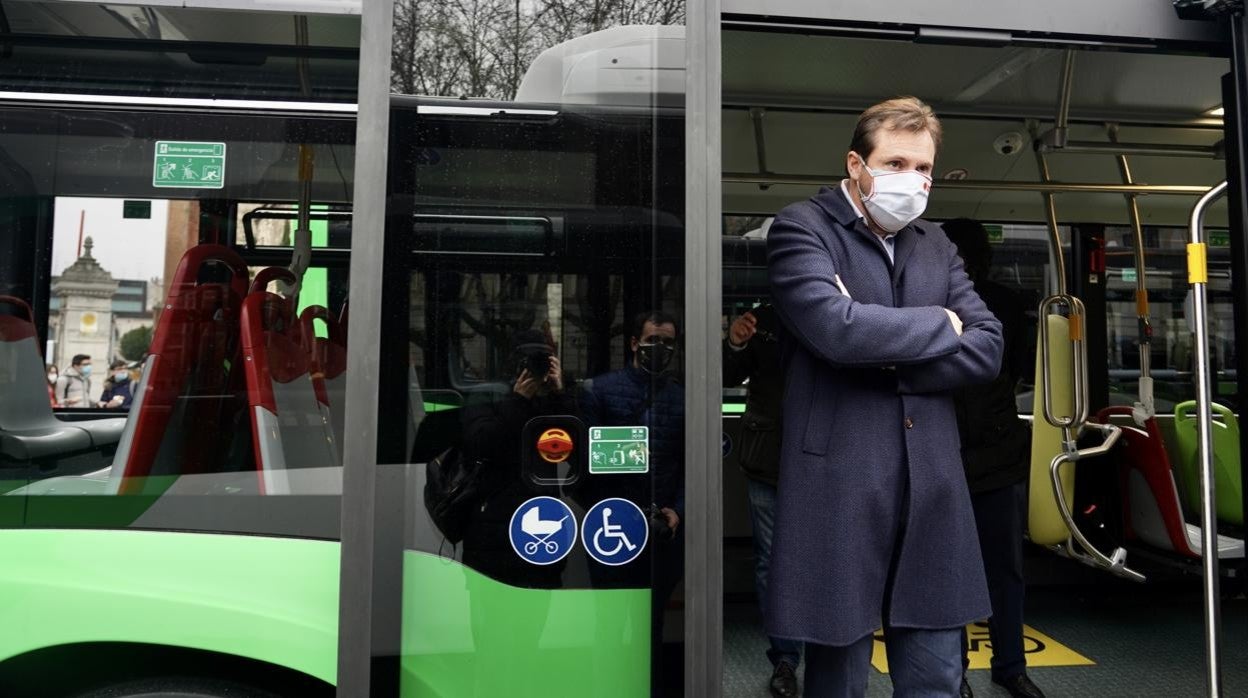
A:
{"x":1171,"y":346}
{"x":177,"y":358}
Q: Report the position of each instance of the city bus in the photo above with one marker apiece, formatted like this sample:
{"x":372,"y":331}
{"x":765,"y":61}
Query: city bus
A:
{"x":338,"y":312}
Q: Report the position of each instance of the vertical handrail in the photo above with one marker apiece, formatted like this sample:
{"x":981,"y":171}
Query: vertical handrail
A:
{"x":1050,"y":215}
{"x":1198,"y":278}
{"x":1063,"y":98}
{"x":1079,"y":386}
{"x":1144,"y":329}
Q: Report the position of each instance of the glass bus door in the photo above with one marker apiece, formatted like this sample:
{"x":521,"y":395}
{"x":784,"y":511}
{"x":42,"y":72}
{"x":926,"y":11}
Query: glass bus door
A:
{"x":531,"y":397}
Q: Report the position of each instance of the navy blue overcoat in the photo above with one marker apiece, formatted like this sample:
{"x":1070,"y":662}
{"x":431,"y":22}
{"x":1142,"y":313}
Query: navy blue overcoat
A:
{"x":874,"y":521}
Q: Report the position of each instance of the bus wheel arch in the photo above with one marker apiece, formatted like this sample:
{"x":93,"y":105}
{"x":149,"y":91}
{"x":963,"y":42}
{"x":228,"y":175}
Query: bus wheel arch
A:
{"x":124,"y":669}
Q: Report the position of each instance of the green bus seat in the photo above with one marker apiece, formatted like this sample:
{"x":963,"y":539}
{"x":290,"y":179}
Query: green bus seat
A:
{"x":1227,"y":477}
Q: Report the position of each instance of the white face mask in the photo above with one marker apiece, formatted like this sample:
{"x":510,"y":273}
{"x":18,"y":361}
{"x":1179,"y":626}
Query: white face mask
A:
{"x":897,"y":198}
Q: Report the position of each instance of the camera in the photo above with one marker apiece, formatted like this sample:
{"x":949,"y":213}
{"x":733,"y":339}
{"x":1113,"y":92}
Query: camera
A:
{"x":537,"y":364}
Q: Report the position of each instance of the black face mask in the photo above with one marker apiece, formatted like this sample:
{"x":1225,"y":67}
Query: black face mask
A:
{"x":655,"y":358}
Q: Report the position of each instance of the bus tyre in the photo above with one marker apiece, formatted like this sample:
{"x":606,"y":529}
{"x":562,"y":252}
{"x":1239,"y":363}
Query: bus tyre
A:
{"x":177,"y":687}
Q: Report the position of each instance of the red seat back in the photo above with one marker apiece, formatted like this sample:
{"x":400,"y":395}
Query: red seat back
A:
{"x":189,"y":395}
{"x":1144,"y":452}
{"x":22,"y":370}
{"x":290,"y":426}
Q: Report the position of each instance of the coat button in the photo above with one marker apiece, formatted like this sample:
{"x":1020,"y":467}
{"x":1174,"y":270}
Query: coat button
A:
{"x":909,"y":423}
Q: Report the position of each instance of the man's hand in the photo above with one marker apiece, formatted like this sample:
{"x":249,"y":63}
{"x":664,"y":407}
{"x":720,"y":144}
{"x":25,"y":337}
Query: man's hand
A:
{"x":554,"y":378}
{"x":955,"y":321}
{"x":526,"y":385}
{"x":673,"y":519}
{"x":742,"y":329}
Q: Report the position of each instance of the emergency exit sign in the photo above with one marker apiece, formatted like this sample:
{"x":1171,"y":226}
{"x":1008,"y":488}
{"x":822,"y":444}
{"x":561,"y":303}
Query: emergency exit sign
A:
{"x":189,"y":165}
{"x":996,"y":234}
{"x":619,"y":450}
{"x":1219,"y":238}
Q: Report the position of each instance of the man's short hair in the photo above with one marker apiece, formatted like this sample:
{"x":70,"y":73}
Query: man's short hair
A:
{"x":78,"y":359}
{"x":971,"y":239}
{"x":900,"y":113}
{"x":658,"y":317}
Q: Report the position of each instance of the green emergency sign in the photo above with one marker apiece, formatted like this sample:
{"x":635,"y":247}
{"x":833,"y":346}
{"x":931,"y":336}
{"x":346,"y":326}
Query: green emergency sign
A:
{"x":619,"y":450}
{"x":189,"y":165}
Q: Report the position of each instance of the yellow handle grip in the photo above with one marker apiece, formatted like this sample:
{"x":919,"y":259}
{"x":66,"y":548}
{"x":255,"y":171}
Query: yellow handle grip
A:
{"x":305,"y":163}
{"x":1197,"y":263}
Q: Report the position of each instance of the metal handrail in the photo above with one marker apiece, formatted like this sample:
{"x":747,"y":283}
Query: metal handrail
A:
{"x":978,"y":184}
{"x":1079,"y":366}
{"x":1072,"y":425}
{"x":1115,"y":563}
{"x":1197,"y":276}
{"x":1144,"y":330}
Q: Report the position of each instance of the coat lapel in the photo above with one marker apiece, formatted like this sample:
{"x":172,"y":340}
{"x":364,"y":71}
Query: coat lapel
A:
{"x":903,"y":245}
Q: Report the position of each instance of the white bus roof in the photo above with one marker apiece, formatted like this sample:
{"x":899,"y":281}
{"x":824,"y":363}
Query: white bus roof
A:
{"x":631,"y":65}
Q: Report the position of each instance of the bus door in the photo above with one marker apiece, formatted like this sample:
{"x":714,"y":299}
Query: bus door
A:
{"x":531,"y":393}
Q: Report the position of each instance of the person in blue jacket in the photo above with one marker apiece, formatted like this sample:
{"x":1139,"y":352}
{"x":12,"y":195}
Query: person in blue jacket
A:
{"x":647,"y":392}
{"x":118,"y":387}
{"x":874,"y":525}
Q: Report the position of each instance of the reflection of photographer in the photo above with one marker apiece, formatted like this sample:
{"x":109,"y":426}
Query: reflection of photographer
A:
{"x":491,"y":434}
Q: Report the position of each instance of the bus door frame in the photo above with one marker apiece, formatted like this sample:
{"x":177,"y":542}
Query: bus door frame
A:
{"x":371,"y":551}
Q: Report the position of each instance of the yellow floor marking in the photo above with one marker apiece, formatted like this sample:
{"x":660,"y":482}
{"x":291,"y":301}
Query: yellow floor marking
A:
{"x":1041,"y":650}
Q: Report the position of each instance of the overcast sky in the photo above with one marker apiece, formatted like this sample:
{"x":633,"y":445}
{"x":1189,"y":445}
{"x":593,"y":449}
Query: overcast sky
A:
{"x":128,"y":248}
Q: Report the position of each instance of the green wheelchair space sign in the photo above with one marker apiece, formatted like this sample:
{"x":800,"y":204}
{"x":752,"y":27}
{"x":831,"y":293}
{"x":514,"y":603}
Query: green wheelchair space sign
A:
{"x":189,"y":165}
{"x":619,"y":450}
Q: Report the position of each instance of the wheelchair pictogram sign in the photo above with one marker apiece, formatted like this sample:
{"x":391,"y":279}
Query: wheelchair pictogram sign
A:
{"x":615,"y":531}
{"x":543,"y":530}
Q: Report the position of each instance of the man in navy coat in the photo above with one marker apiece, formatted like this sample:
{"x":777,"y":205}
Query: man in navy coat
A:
{"x":874,"y":525}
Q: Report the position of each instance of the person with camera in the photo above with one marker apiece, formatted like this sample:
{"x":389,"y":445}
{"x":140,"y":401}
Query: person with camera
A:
{"x":491,"y":435}
{"x":752,"y":353}
{"x":647,"y":393}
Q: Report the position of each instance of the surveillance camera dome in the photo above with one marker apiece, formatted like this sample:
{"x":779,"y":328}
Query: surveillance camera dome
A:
{"x":1008,"y":143}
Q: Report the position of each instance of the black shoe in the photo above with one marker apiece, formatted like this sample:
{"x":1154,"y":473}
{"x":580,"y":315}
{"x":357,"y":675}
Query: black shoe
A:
{"x":784,"y":681}
{"x":965,"y":691}
{"x":1020,"y":686}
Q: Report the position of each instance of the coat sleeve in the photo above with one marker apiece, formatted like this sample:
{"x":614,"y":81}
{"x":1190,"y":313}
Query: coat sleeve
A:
{"x":840,"y":330}
{"x":738,"y":363}
{"x":978,"y":358}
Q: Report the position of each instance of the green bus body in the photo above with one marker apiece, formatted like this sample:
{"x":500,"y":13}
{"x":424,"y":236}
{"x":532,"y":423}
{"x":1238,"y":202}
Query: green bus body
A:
{"x":275,"y":600}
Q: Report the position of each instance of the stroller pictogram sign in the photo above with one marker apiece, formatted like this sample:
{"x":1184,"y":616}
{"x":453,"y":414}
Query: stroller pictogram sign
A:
{"x":543,"y":530}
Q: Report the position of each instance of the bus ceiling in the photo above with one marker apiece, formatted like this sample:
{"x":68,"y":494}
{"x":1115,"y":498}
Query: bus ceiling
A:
{"x":1106,"y":23}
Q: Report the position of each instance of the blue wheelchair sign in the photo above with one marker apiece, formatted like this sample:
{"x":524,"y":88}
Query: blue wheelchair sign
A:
{"x":543,"y":530}
{"x":615,"y":531}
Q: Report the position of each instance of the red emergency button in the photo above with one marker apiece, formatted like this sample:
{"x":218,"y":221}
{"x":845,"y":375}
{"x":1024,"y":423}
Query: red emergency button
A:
{"x":554,"y":445}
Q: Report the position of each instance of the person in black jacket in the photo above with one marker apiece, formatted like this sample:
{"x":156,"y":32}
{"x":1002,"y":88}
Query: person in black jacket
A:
{"x":492,"y":434}
{"x":752,"y":352}
{"x":996,"y":448}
